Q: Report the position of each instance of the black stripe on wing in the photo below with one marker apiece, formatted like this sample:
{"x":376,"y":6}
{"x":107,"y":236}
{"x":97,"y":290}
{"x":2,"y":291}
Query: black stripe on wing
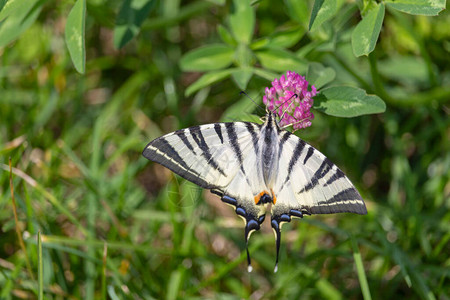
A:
{"x":218,"y":129}
{"x":348,"y":200}
{"x":162,"y":152}
{"x":323,"y":170}
{"x":309,"y":154}
{"x":250,"y":127}
{"x":295,"y":156}
{"x":199,"y":139}
{"x":182,"y":135}
{"x":285,"y":135}
{"x":233,"y":140}
{"x":339,"y":174}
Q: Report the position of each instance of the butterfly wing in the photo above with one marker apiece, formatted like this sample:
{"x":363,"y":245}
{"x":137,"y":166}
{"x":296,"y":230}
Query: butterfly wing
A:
{"x":207,"y":155}
{"x":222,"y":157}
{"x":311,"y":183}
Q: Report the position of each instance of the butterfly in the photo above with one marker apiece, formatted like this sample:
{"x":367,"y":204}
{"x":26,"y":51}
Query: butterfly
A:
{"x":256,"y":166}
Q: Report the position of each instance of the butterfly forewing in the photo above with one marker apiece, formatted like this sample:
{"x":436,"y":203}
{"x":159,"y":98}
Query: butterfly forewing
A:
{"x":208,"y":155}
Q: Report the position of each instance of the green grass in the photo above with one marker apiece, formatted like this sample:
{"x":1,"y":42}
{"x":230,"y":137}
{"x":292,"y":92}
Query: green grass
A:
{"x":101,"y":222}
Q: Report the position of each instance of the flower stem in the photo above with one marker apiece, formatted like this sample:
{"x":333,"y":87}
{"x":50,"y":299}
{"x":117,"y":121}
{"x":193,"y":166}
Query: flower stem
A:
{"x":377,"y":82}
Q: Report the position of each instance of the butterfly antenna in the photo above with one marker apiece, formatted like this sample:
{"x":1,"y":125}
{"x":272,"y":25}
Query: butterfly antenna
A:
{"x":244,"y":93}
{"x":294,"y":95}
{"x":284,"y":112}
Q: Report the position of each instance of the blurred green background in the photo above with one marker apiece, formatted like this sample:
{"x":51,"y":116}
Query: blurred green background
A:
{"x":115,"y":226}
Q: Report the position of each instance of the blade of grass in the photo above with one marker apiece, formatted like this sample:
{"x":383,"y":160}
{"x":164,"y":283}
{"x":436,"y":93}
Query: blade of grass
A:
{"x":105,"y":253}
{"x":62,"y":248}
{"x":48,"y":240}
{"x":52,"y":199}
{"x":360,"y":269}
{"x":16,"y":219}
{"x":226,"y":269}
{"x":9,"y":285}
{"x":89,"y":267}
{"x":92,"y":202}
{"x":55,"y":243}
{"x":40,"y":268}
{"x":173,"y":286}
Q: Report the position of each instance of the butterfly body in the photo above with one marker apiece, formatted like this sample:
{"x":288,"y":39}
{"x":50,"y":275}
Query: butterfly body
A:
{"x":253,"y":167}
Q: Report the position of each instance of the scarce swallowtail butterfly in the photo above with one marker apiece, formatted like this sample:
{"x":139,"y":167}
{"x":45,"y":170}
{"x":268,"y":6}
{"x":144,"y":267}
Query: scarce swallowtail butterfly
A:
{"x":253,"y":167}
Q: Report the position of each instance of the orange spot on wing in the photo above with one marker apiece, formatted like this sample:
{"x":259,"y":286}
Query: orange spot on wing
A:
{"x":258,"y":197}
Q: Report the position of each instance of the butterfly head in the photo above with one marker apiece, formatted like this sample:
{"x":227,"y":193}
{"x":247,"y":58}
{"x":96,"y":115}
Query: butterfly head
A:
{"x":271,"y":120}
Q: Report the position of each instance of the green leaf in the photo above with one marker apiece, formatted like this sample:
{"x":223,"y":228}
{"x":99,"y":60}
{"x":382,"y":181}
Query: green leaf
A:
{"x":207,"y":79}
{"x":2,"y":4}
{"x":286,"y":38}
{"x":409,"y":69}
{"x":207,"y":58}
{"x":280,"y":60}
{"x":326,"y":39}
{"x":242,"y":109}
{"x":365,"y":35}
{"x":319,"y":75}
{"x":129,"y":20}
{"x":418,"y":7}
{"x":244,"y":56}
{"x":242,"y":76}
{"x":260,"y":43}
{"x":265,"y":74}
{"x":322,"y":11}
{"x":242,"y":21}
{"x":74,"y":34}
{"x":10,"y":6}
{"x":225,"y":35}
{"x":297,"y":10}
{"x":345,"y":101}
{"x":17,"y":17}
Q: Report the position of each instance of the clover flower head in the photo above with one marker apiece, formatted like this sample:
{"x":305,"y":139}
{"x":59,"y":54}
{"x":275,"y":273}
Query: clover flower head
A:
{"x":290,"y":99}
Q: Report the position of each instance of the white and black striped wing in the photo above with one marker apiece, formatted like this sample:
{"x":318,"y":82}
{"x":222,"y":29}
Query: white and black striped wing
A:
{"x":208,"y":155}
{"x":310,"y":183}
